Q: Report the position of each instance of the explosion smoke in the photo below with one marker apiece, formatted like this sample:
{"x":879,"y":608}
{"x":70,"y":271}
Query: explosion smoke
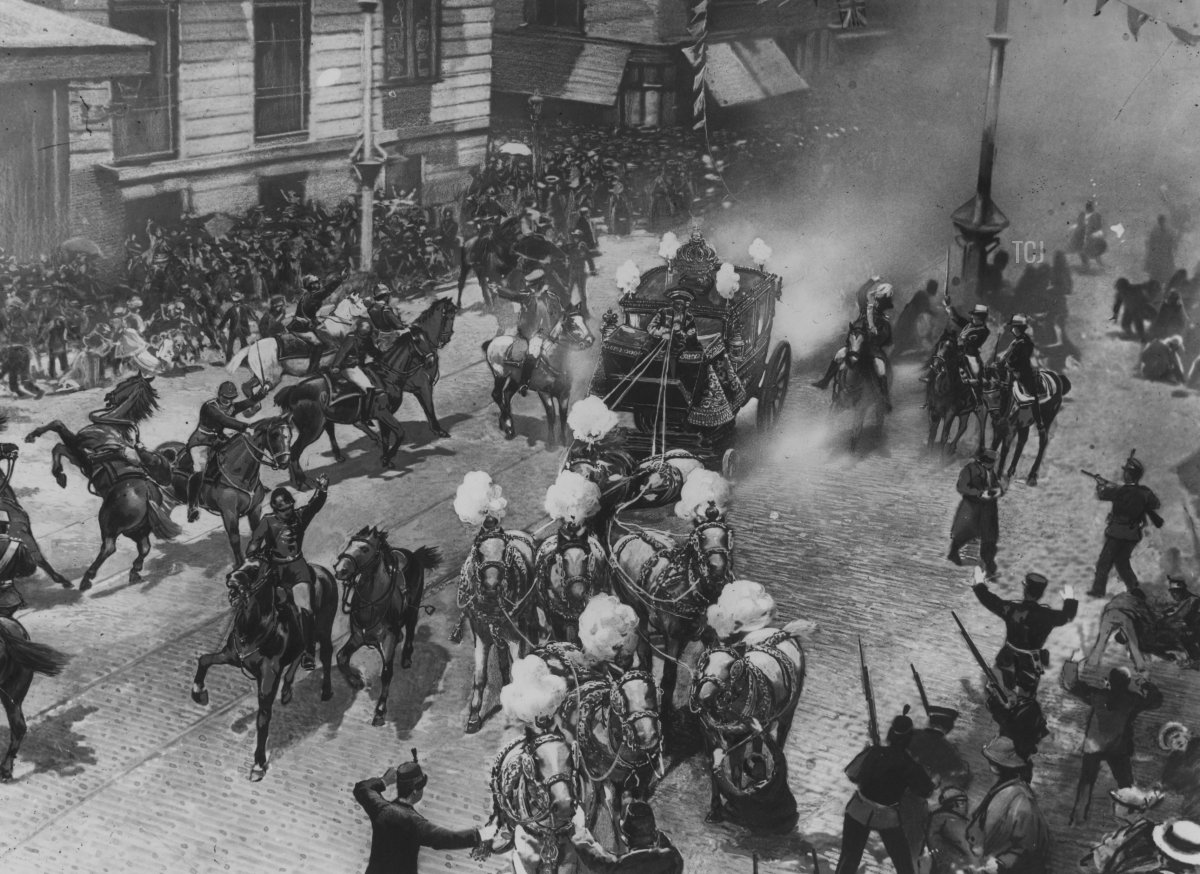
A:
{"x":591,"y":420}
{"x":478,"y":497}
{"x":701,"y":488}
{"x":572,"y":497}
{"x":760,"y":252}
{"x":629,"y":275}
{"x":608,"y":629}
{"x":727,"y":281}
{"x":743,"y":606}
{"x":534,"y":693}
{"x":668,"y":246}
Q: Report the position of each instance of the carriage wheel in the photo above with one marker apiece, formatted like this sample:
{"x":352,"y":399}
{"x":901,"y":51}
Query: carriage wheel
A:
{"x":775,"y":379}
{"x":730,"y":462}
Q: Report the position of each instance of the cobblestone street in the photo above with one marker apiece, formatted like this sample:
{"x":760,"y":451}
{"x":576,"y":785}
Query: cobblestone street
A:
{"x":121,"y":769}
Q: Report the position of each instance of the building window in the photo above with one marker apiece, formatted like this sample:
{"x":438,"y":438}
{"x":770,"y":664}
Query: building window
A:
{"x":404,"y":176}
{"x":411,"y":40}
{"x":144,"y":108}
{"x":555,"y":13}
{"x":281,"y":37}
{"x":276,"y":192}
{"x":164,"y":210}
{"x":648,"y":95}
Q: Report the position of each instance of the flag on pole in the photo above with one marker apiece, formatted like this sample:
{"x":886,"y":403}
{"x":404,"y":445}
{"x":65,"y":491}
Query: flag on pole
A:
{"x":1136,"y":19}
{"x":697,"y":55}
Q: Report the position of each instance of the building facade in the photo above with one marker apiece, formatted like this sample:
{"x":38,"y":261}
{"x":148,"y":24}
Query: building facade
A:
{"x":248,"y":101}
{"x":623,"y":61}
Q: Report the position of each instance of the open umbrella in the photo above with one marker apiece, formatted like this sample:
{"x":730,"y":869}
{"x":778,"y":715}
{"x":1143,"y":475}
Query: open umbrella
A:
{"x":516,"y":149}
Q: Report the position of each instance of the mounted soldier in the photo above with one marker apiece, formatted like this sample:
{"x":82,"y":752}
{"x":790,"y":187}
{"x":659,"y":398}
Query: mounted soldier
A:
{"x":540,"y":310}
{"x":875,"y":299}
{"x":972,"y":334}
{"x":272,"y":322}
{"x":216,"y":416}
{"x":385,"y":312}
{"x":306,"y":325}
{"x":15,"y":561}
{"x":1018,"y":361}
{"x":349,"y":362}
{"x":279,"y":540}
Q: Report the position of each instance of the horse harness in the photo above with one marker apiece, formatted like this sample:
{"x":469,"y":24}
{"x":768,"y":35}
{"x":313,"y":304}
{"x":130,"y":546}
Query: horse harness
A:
{"x":387,"y":556}
{"x":682,"y":562}
{"x":598,"y":701}
{"x":469,"y":594}
{"x":525,"y":801}
{"x":221,"y":477}
{"x":557,"y":602}
{"x":758,"y":699}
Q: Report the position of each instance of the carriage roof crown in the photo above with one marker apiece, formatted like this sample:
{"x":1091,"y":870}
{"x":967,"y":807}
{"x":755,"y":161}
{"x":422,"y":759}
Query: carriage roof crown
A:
{"x":696,"y":260}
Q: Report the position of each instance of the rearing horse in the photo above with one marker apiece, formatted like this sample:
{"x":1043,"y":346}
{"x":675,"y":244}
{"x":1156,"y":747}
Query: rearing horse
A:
{"x":495,"y":594}
{"x":671,"y":586}
{"x":267,"y":643}
{"x":232,"y":486}
{"x":383,"y":590}
{"x":128,"y":478}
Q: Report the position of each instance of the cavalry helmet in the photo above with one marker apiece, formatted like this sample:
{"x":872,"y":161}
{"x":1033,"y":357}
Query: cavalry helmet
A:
{"x":227,"y":391}
{"x":535,"y":276}
{"x":1175,"y":342}
{"x":1035,"y":584}
{"x":980,"y":310}
{"x":282,"y":498}
{"x":1134,"y":467}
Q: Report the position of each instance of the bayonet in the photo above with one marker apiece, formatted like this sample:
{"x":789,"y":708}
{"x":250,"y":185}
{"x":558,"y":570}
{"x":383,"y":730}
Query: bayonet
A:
{"x":981,"y":661}
{"x":872,"y":718}
{"x":920,"y":689}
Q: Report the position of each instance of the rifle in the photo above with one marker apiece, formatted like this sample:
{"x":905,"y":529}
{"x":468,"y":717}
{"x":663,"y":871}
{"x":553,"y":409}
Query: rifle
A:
{"x":872,"y":718}
{"x":992,"y":685}
{"x":1100,"y":481}
{"x":920,"y":689}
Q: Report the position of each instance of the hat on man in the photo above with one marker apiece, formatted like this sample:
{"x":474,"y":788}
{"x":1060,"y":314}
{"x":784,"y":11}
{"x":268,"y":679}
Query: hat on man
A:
{"x":236,"y":296}
{"x":987,"y":454}
{"x":1035,"y":584}
{"x":950,"y":795}
{"x":902,"y":725}
{"x":535,"y":275}
{"x":409,"y":778}
{"x":227,"y":390}
{"x":1171,"y":730}
{"x":1018,"y":321}
{"x":1179,"y":840}
{"x":4,"y":518}
{"x":980,"y":310}
{"x":638,"y":822}
{"x":1001,"y":751}
{"x":941,"y":719}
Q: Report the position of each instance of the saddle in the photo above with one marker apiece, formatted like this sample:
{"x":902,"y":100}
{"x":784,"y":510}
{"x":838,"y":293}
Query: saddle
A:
{"x":1045,"y":388}
{"x":292,"y":346}
{"x":340,"y":390}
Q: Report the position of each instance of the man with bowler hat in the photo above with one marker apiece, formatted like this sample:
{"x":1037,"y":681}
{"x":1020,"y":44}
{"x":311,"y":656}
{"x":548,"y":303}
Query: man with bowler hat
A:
{"x":1008,"y":831}
{"x":1132,"y":505}
{"x":978,"y":516}
{"x":1179,"y":846}
{"x":650,"y":851}
{"x":397,"y":831}
{"x":882,"y":774}
{"x":1022,"y":660}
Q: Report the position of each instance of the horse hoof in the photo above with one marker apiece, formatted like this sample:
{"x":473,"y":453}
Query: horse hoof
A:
{"x":1031,"y":480}
{"x":31,"y":437}
{"x":85,"y":584}
{"x":327,"y":694}
{"x":339,"y":458}
{"x":285,"y":697}
{"x":257,"y":773}
{"x":474,"y":724}
{"x":200,"y":697}
{"x":61,"y":479}
{"x":6,"y":774}
{"x":193,"y":515}
{"x":441,"y":432}
{"x":714,"y":816}
{"x":63,"y":581}
{"x":135,"y":577}
{"x":378,"y":720}
{"x":355,"y":681}
{"x":406,"y":662}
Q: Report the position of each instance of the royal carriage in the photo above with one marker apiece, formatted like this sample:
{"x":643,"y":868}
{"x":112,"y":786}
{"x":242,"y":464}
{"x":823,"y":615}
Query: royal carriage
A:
{"x":686,"y":395}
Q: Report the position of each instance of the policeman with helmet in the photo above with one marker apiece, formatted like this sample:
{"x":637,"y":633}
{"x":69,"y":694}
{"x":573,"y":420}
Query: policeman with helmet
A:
{"x":217,"y":415}
{"x":1132,"y":504}
{"x":875,"y":299}
{"x":279,"y":540}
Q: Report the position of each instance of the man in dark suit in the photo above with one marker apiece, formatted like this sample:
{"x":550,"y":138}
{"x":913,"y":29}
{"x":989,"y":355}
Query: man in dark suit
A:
{"x":977,"y":516}
{"x":650,"y":851}
{"x":397,"y":831}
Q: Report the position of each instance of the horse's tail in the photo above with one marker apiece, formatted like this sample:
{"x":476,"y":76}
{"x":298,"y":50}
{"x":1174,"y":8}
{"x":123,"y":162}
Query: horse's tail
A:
{"x":239,"y":357}
{"x":284,"y":397}
{"x":427,"y":557}
{"x":30,"y":656}
{"x":162,"y":526}
{"x":1066,"y":384}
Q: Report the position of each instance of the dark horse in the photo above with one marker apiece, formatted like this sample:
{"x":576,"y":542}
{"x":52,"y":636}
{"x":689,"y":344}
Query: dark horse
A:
{"x":266,"y":642}
{"x":410,"y":364}
{"x":949,"y":399}
{"x":128,"y":478}
{"x":20,"y":659}
{"x":855,"y":386}
{"x":499,"y":255}
{"x":551,"y":377}
{"x":671,"y":586}
{"x":383,"y":590}
{"x":1017,"y":415}
{"x":18,"y":520}
{"x":232,"y":486}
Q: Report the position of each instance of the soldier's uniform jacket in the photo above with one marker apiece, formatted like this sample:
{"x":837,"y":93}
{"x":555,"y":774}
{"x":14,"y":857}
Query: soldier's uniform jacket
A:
{"x":384,"y":318}
{"x":1019,"y":357}
{"x":307,"y":308}
{"x":1022,"y":722}
{"x":971,"y":336}
{"x":883,"y":774}
{"x":1027,"y":623}
{"x":398,"y":832}
{"x":881,"y":337}
{"x":353,"y":352}
{"x":1131,"y":504}
{"x":15,"y":561}
{"x":283,"y":542}
{"x":210,"y":429}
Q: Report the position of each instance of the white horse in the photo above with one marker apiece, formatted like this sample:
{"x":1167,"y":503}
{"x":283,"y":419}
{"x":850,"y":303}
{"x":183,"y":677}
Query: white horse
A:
{"x":268,"y":362}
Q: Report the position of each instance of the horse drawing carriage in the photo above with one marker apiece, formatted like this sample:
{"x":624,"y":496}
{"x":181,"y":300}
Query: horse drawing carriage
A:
{"x":691,"y":347}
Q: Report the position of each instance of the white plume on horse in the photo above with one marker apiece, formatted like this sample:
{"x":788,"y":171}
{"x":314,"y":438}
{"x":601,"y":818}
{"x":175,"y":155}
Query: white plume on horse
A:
{"x":743,"y":606}
{"x":573,"y":497}
{"x":701,"y":488}
{"x":478,"y":497}
{"x":608,"y":629}
{"x":629,"y":275}
{"x":668,"y":245}
{"x":591,"y":420}
{"x":534,"y":692}
{"x":760,"y":252}
{"x":727,"y":281}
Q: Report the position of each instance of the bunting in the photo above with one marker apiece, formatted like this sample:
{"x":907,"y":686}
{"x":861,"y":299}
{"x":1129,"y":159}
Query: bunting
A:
{"x":697,"y":55}
{"x":1136,"y":18}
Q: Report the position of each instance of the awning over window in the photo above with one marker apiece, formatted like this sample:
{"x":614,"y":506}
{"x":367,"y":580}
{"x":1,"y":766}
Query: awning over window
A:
{"x":745,"y":71}
{"x":41,"y":45}
{"x":558,"y":69}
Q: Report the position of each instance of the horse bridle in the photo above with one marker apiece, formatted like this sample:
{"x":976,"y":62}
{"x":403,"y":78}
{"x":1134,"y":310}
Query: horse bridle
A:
{"x":701,"y":679}
{"x":699,"y":552}
{"x":274,"y":460}
{"x":626,"y":719}
{"x":352,"y":581}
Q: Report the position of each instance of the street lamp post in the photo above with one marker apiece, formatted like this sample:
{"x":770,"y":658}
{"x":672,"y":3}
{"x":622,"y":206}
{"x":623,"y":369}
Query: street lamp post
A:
{"x":979,"y":221}
{"x":535,"y":119}
{"x":366,"y":160}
